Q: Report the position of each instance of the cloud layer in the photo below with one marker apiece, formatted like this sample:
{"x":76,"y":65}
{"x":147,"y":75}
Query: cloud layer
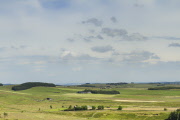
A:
{"x":89,"y":41}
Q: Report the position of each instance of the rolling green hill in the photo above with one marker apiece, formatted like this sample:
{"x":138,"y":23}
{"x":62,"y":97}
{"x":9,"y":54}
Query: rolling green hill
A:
{"x":137,"y":102}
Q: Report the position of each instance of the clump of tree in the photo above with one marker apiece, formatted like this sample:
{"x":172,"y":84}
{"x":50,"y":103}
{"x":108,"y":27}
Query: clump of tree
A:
{"x":77,"y":108}
{"x":84,"y":107}
{"x":102,"y":91}
{"x":163,"y":88}
{"x":50,"y":106}
{"x":1,"y":84}
{"x":100,"y":107}
{"x":5,"y":114}
{"x":174,"y":115}
{"x":93,"y":107}
{"x":28,"y":85}
{"x":119,"y":107}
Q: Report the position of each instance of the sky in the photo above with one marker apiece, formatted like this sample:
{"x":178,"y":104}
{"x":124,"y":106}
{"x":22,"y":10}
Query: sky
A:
{"x":89,"y":41}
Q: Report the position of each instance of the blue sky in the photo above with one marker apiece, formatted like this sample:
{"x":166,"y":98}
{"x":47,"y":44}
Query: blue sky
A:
{"x":79,"y":41}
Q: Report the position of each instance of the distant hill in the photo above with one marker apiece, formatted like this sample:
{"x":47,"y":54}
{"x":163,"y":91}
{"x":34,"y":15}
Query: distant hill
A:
{"x":8,"y":84}
{"x":174,"y":83}
{"x":28,"y":85}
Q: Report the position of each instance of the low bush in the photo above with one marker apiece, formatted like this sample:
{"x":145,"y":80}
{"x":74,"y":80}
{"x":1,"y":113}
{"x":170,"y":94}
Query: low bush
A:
{"x":174,"y":115}
{"x":100,"y":107}
{"x":76,"y":108}
{"x":93,"y":107}
{"x":120,"y":108}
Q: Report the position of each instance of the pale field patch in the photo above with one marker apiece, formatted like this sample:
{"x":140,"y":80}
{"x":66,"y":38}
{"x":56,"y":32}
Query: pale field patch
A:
{"x":86,"y":96}
{"x":15,"y":92}
{"x":137,"y":101}
{"x":148,"y":109}
{"x":175,"y":97}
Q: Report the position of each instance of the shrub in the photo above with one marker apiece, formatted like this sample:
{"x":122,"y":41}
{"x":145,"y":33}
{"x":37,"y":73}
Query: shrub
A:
{"x":174,"y":115}
{"x":5,"y":114}
{"x":165,"y":109}
{"x":100,"y":107}
{"x":70,"y":107}
{"x":93,"y":107}
{"x":76,"y":108}
{"x":80,"y":108}
{"x":84,"y":107}
{"x":120,"y":108}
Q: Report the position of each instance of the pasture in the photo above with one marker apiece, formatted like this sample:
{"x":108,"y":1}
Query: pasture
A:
{"x":137,"y":101}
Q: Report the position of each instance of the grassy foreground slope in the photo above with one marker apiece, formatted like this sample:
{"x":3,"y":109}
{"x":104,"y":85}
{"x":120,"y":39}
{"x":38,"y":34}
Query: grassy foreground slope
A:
{"x":137,"y":101}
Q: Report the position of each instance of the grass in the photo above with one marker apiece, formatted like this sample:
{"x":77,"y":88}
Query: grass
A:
{"x":32,"y":103}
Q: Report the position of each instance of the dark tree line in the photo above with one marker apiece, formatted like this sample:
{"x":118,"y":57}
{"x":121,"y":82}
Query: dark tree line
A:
{"x":163,"y":88}
{"x":100,"y":107}
{"x":76,"y":108}
{"x":84,"y":107}
{"x":102,"y":91}
{"x":121,"y":83}
{"x":28,"y":85}
{"x":86,"y":85}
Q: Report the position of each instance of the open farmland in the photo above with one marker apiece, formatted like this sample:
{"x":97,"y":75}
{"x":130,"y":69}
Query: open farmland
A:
{"x":41,"y":103}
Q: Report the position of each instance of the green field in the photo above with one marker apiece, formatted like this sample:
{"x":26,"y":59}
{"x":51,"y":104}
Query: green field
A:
{"x":138,"y":103}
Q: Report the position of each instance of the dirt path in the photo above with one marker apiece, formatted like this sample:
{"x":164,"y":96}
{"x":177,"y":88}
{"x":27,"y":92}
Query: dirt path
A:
{"x":94,"y":114}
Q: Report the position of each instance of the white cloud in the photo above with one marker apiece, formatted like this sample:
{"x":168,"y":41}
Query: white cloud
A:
{"x":33,"y":33}
{"x":38,"y":70}
{"x":77,"y":69}
{"x":77,"y":58}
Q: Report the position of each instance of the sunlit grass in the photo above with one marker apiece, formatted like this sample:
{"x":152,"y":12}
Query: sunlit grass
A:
{"x":33,"y":104}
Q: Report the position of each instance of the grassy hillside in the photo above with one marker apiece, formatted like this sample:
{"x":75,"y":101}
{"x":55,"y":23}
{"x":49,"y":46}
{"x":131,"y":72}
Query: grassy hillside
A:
{"x":137,"y":101}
